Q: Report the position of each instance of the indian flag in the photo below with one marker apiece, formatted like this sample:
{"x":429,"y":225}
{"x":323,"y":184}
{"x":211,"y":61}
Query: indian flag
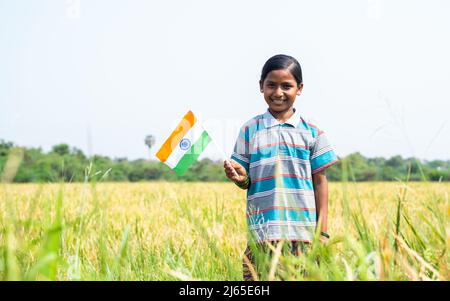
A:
{"x":184,"y":145}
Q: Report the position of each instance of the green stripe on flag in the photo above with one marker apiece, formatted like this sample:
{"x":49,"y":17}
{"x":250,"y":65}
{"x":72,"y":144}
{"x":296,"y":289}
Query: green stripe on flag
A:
{"x":192,"y":154}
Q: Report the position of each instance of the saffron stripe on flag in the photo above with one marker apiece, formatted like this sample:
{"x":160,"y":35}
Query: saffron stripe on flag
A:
{"x":192,"y":155}
{"x":180,"y":131}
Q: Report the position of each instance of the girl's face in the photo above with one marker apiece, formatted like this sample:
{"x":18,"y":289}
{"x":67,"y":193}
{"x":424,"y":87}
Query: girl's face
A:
{"x":280,"y":90}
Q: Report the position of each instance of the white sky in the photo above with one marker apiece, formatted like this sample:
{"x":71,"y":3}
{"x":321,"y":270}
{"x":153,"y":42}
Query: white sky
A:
{"x":100,"y":75}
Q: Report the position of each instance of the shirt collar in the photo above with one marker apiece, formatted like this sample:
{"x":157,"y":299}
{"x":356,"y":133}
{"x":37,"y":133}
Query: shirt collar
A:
{"x":270,"y":121}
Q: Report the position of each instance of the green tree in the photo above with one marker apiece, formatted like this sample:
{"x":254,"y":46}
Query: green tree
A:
{"x":61,"y":149}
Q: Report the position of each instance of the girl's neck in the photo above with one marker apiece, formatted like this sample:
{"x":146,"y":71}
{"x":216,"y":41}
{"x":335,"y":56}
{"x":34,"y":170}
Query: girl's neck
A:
{"x":283,"y":116}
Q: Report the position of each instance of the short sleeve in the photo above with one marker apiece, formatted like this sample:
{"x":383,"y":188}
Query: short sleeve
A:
{"x":241,"y":151}
{"x":322,"y":154}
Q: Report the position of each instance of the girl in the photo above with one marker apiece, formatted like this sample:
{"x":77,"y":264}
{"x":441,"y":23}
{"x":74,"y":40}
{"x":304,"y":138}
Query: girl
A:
{"x":280,"y":158}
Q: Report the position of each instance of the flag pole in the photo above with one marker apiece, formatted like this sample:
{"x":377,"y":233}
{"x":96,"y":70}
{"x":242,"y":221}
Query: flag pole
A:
{"x":222,"y":153}
{"x":224,"y":157}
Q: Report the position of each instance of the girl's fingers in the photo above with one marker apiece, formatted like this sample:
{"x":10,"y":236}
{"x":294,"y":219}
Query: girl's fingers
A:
{"x":239,"y":168}
{"x":230,"y":171}
{"x":231,"y":174}
{"x":230,"y":166}
{"x":232,"y":177}
{"x":227,"y":165}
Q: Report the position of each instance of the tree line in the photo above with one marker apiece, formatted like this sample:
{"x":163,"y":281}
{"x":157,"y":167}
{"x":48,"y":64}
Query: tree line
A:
{"x":70,"y":164}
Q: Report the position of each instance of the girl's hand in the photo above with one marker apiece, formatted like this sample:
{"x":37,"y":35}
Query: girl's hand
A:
{"x":234,"y":171}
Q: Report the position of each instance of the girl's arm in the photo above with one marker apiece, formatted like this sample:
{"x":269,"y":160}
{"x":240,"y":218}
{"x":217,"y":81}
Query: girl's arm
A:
{"x":321,"y":196}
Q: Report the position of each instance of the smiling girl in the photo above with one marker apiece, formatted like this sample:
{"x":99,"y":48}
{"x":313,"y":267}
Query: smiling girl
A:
{"x":280,"y":158}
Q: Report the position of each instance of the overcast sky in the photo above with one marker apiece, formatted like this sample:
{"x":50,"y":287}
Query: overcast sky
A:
{"x":101,"y":75}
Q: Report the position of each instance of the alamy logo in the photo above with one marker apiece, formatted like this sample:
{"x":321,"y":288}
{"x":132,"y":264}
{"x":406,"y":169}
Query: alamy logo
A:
{"x":185,"y":144}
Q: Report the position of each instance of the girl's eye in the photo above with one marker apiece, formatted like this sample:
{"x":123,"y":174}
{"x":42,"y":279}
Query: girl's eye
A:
{"x":286,"y":87}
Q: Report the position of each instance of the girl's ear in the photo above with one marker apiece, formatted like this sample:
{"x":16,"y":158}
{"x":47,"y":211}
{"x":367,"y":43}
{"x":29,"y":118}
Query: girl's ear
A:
{"x":261,"y":86}
{"x":300,"y":88}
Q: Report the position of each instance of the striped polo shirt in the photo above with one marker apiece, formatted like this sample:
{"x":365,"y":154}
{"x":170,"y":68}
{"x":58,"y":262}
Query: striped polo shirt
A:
{"x":280,"y":159}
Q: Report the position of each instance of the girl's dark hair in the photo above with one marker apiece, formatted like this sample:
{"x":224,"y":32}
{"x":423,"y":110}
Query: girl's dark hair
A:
{"x":283,"y":62}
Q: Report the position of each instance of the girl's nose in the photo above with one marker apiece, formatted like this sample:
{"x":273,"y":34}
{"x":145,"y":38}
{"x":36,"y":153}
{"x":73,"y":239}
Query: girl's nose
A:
{"x":278,"y":92}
